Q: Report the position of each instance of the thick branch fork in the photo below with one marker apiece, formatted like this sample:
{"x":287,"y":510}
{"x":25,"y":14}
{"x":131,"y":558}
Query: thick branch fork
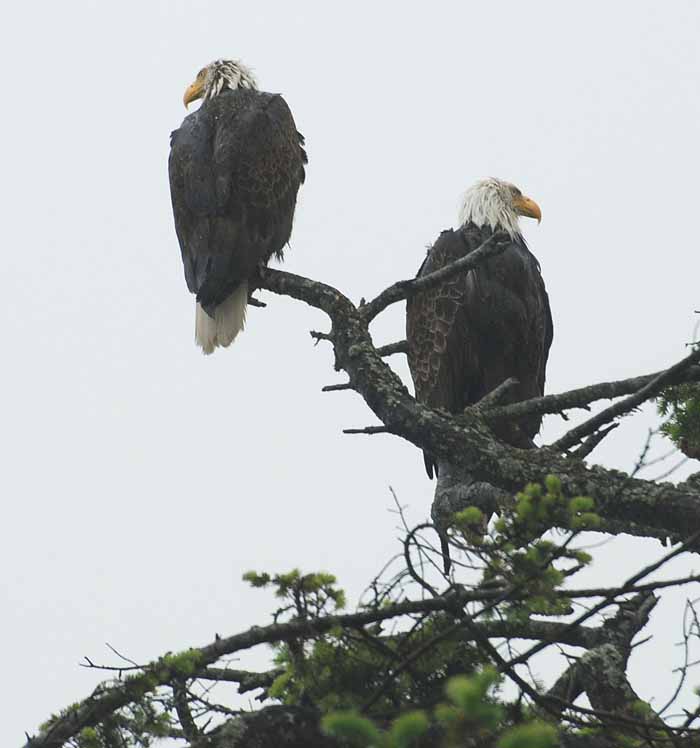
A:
{"x":626,"y":505}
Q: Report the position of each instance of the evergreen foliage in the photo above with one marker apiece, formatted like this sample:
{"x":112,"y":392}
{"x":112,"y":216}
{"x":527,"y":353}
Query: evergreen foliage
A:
{"x":680,"y":405}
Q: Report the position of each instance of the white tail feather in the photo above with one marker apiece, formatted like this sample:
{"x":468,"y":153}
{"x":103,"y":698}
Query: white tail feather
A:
{"x":228,"y":321}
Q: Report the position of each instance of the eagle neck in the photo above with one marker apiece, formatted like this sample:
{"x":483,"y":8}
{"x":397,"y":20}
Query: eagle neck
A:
{"x":486,"y":230}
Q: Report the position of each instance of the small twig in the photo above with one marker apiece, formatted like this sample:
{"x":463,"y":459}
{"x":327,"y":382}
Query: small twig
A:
{"x":336,"y":387}
{"x":574,"y":594}
{"x":121,"y":656}
{"x":208,"y":706}
{"x":318,"y":336}
{"x":592,"y":442}
{"x":247,"y":681}
{"x":660,"y":458}
{"x":497,"y":395}
{"x":90,"y":665}
{"x":409,"y":563}
{"x":401,"y":290}
{"x":642,"y":642}
{"x":686,"y":663}
{"x":671,"y":470}
{"x":252,"y":301}
{"x":401,"y":346}
{"x":368,"y":430}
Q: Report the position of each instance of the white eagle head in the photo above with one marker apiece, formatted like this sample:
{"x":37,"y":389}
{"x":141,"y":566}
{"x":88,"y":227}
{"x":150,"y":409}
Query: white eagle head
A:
{"x":219,"y":76}
{"x":498,"y":204}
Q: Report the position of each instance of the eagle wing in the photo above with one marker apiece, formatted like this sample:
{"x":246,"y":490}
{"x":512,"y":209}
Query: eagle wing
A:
{"x":536,"y":354}
{"x":437,"y":357}
{"x":435,"y":362}
{"x":474,"y":330}
{"x":235,"y":167}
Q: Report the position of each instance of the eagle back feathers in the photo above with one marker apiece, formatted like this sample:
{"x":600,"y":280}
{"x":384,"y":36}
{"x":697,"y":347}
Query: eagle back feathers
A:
{"x":235,"y":167}
{"x":474,"y":330}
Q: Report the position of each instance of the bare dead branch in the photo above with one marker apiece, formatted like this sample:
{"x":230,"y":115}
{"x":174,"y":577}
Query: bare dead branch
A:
{"x":401,"y":346}
{"x":120,"y":655}
{"x":497,"y":395}
{"x":182,"y":708}
{"x":336,"y":387}
{"x":651,"y":389}
{"x":575,"y":594}
{"x":368,"y":430}
{"x":410,"y":538}
{"x":592,"y":442}
{"x":319,"y":336}
{"x":629,"y":620}
{"x":401,"y":290}
{"x":247,"y":681}
{"x":583,"y":396}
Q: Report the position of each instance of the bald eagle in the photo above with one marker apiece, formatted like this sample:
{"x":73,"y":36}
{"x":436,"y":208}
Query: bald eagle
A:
{"x":473,"y":331}
{"x":235,"y":167}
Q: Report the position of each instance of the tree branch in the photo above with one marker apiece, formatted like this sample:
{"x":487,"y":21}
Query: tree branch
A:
{"x":401,"y":346}
{"x":618,"y":631}
{"x":592,"y":442}
{"x":401,"y":290}
{"x":497,"y":395}
{"x":367,"y":430}
{"x":336,"y":387}
{"x":182,"y":708}
{"x":625,"y":504}
{"x":651,"y":389}
{"x":583,"y":396}
{"x":246,"y":680}
{"x":108,"y":699}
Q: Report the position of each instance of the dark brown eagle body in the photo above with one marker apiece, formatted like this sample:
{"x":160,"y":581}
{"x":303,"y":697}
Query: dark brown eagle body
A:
{"x":235,"y":167}
{"x":473,"y":331}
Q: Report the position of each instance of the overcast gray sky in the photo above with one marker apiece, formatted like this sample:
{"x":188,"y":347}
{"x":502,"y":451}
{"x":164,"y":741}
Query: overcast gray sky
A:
{"x":140,"y":478}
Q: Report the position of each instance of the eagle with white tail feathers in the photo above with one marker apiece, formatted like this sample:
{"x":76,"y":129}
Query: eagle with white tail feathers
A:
{"x":236,"y":165}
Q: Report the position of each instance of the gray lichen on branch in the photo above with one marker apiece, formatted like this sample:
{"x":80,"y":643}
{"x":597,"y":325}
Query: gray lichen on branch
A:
{"x":629,"y":505}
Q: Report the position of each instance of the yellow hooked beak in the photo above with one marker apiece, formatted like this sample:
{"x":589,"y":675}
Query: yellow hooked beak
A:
{"x":193,"y":92}
{"x":526,"y":207}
